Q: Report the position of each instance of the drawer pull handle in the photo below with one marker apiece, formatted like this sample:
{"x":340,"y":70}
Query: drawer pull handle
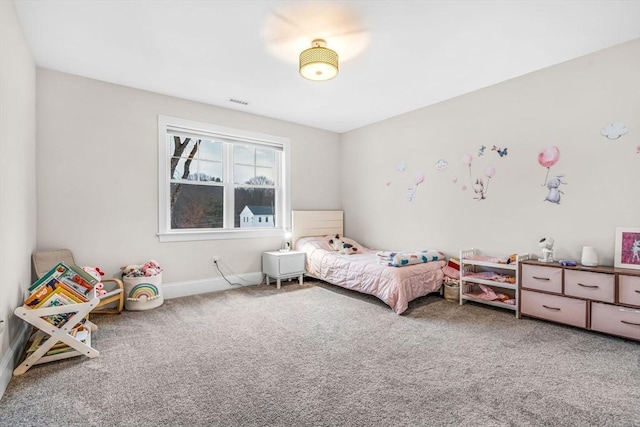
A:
{"x":630,"y":323}
{"x":551,"y":308}
{"x":588,"y":286}
{"x":541,"y":278}
{"x":637,"y":291}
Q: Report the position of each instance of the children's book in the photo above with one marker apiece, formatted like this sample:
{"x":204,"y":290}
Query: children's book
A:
{"x":72,"y":275}
{"x":44,"y":292}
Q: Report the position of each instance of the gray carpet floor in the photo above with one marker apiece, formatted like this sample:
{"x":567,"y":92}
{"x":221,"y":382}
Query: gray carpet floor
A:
{"x":318,"y":355}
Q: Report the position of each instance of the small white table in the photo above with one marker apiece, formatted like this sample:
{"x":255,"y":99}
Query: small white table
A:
{"x":283,"y":265}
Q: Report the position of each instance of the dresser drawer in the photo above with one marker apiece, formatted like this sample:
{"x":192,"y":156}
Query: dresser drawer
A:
{"x":629,"y":290}
{"x":590,"y":285}
{"x":621,"y":321}
{"x":547,"y":279}
{"x":559,"y":309}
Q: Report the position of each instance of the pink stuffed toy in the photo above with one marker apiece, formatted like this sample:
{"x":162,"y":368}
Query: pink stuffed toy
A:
{"x":96,"y":273}
{"x":151,"y":268}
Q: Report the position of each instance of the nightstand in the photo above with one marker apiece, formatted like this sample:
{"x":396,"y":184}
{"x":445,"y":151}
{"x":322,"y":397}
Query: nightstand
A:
{"x":283,"y":265}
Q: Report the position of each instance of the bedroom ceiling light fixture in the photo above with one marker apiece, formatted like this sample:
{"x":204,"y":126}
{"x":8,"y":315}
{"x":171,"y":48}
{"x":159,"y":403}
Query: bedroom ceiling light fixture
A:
{"x":318,"y":63}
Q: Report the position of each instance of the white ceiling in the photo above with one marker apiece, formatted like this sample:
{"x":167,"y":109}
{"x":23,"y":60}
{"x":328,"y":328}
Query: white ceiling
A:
{"x":396,"y":56}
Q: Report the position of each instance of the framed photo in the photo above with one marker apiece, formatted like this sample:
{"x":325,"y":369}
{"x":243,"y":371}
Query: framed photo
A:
{"x":627,"y":251}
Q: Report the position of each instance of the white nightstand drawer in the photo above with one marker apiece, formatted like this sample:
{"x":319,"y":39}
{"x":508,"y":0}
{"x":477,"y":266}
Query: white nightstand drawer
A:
{"x":590,"y":285}
{"x":542,"y":278}
{"x":629,"y":290}
{"x":292,"y":264}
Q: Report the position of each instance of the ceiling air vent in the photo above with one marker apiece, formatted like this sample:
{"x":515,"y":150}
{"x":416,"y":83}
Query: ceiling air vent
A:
{"x":238,"y":101}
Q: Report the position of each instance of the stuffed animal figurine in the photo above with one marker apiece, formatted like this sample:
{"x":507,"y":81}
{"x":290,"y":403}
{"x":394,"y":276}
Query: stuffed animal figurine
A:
{"x":96,"y":273}
{"x":131,"y":270}
{"x":344,"y":248}
{"x":546,"y":243}
{"x":151,"y":268}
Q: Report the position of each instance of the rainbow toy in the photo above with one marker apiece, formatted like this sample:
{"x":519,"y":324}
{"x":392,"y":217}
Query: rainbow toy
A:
{"x":142,"y":291}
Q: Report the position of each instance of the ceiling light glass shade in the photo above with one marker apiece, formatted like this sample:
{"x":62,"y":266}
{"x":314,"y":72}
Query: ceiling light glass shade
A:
{"x":318,"y":62}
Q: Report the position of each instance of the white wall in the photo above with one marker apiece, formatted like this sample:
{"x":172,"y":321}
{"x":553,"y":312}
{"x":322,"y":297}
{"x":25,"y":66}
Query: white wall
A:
{"x":98,"y":176}
{"x":565,"y":106}
{"x":17,"y":180}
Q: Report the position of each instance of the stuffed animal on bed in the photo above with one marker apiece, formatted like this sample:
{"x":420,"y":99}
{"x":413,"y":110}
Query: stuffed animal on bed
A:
{"x":344,"y":248}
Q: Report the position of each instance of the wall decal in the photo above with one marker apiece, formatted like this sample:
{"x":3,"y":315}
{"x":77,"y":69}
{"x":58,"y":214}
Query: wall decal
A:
{"x":467,"y":160}
{"x":614,"y":130}
{"x":548,"y":157}
{"x":501,"y":151}
{"x":411,"y":191}
{"x":481,"y":150}
{"x":638,"y":149}
{"x":441,"y":165}
{"x":478,"y":186}
{"x":554,"y":192}
{"x":401,"y":166}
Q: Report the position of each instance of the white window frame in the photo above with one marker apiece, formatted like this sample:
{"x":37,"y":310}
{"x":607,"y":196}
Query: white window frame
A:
{"x":166,"y":234}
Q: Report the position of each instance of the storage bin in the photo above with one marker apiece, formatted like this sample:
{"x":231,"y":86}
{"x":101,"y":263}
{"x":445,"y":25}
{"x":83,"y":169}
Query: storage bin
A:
{"x":452,"y":292}
{"x":143,"y":293}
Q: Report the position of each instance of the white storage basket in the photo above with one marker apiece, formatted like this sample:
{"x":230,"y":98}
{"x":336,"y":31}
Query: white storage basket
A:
{"x":143,"y":293}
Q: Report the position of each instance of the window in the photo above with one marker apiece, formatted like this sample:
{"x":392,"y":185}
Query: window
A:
{"x":219,"y":182}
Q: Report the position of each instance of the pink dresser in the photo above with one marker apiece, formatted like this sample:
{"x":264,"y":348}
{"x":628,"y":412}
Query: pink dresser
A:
{"x":603,"y":299}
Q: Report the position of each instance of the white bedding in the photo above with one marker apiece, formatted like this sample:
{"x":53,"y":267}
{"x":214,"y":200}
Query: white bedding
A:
{"x":362,"y":272}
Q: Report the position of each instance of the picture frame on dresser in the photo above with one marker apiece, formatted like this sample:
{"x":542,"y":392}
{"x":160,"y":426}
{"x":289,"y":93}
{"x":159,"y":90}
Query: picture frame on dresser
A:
{"x":627,"y":249}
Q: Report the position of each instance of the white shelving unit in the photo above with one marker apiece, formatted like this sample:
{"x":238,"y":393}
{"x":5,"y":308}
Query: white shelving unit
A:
{"x":469,"y":284}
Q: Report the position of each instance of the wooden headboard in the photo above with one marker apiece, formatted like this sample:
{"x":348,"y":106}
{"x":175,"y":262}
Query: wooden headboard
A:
{"x":315,"y":223}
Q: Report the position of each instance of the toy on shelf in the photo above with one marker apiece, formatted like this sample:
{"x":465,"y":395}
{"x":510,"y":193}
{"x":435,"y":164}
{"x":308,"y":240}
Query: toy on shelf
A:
{"x":546,"y":243}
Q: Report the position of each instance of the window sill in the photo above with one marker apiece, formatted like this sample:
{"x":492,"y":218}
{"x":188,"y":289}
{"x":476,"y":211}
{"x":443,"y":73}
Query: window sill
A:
{"x":187,"y":236}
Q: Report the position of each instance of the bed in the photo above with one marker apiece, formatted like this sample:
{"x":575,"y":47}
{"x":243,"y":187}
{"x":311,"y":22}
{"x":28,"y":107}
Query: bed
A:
{"x":362,"y":271}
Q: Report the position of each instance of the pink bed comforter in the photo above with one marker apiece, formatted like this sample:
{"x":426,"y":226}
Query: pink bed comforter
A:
{"x":362,"y":272}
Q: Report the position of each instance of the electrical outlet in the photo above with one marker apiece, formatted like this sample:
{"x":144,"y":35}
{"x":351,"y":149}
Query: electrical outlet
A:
{"x":215,"y":259}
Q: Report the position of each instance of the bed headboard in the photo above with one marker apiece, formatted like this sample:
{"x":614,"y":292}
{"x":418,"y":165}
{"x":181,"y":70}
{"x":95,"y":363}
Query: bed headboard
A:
{"x":315,"y":223}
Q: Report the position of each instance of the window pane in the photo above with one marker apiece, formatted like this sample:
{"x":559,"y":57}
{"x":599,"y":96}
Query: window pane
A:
{"x":265,"y":157}
{"x":210,"y":150}
{"x":210,"y":171}
{"x":243,"y":174}
{"x":243,"y":155}
{"x":254,"y":207}
{"x":265,"y":176}
{"x":196,"y":206}
{"x":184,"y":150}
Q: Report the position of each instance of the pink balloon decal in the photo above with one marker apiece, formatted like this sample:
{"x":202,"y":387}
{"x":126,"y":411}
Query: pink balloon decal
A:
{"x":490,"y":171}
{"x":419,"y":177}
{"x":466,"y":159}
{"x":548,"y":157}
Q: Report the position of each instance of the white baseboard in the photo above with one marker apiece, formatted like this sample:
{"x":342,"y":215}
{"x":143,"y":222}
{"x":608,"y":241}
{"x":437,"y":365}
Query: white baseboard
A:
{"x":10,"y":358}
{"x":194,"y":287}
